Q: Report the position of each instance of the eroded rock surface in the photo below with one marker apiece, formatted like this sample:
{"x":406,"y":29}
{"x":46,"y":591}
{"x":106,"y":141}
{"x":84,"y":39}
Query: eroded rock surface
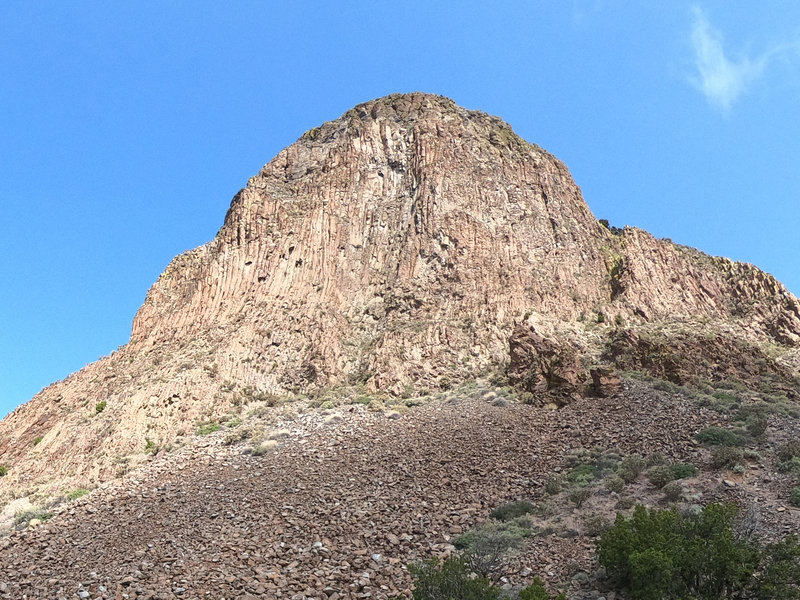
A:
{"x":542,"y":365}
{"x":396,"y":246}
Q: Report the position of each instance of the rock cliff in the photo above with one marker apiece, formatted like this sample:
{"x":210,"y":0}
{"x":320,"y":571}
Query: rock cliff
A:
{"x":394,"y":248}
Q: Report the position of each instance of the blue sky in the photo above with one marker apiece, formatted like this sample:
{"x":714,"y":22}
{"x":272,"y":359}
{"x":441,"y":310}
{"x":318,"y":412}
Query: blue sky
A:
{"x":126,"y":128}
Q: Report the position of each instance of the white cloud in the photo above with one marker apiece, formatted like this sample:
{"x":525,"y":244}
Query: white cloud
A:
{"x":721,"y":79}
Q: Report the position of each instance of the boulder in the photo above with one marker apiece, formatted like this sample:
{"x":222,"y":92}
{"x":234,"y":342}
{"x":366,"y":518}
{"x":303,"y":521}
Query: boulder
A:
{"x":543,"y":365}
{"x":605,"y":382}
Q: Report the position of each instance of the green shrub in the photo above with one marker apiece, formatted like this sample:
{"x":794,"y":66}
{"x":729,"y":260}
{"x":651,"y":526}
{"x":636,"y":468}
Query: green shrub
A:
{"x":726,"y":396}
{"x":631,"y":467}
{"x":595,"y":524}
{"x":208,"y":427}
{"x":683,"y":470}
{"x":512,"y":510}
{"x":580,"y":495}
{"x":486,"y":547}
{"x":614,"y":483}
{"x":37,"y":439}
{"x":449,"y":580}
{"x":582,"y":474}
{"x":665,"y":386}
{"x":660,"y":475}
{"x":656,"y":458}
{"x":794,"y":496}
{"x":150,"y":447}
{"x":790,"y":466}
{"x":673,"y":491}
{"x":100,"y":407}
{"x":751,"y":454}
{"x":22,"y":519}
{"x":3,"y":470}
{"x":553,"y":484}
{"x":789,"y":450}
{"x":75,"y":494}
{"x":662,"y":554}
{"x":780,"y":571}
{"x":726,"y":457}
{"x":756,"y":424}
{"x":718,"y":436}
{"x":537,"y":591}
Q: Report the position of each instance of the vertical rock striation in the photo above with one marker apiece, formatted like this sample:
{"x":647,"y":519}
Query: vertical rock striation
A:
{"x":399,"y":244}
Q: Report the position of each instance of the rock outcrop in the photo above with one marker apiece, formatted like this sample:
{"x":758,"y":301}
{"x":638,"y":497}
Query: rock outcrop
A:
{"x":606,"y":382}
{"x":396,"y":246}
{"x":542,"y":365}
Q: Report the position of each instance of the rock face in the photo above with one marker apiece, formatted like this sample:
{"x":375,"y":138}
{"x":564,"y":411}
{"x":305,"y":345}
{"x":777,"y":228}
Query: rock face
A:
{"x":605,"y":382}
{"x":543,"y":365}
{"x":396,"y":246}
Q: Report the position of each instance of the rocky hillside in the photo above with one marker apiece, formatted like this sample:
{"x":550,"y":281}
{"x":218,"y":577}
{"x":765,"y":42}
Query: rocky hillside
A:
{"x":335,"y":503}
{"x":394,"y":249}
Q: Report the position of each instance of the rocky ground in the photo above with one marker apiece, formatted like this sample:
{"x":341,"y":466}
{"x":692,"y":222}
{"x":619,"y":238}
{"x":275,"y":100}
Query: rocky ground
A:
{"x":348,"y":497}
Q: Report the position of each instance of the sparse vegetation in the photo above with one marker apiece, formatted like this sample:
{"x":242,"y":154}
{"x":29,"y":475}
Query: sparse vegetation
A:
{"x":262,"y":448}
{"x":595,"y":524}
{"x":725,"y":457}
{"x":485,"y":547}
{"x":233,"y":422}
{"x":37,"y":439}
{"x":3,"y":470}
{"x":512,"y":510}
{"x":434,"y":580}
{"x":580,"y":495}
{"x":100,"y":407}
{"x":208,"y":428}
{"x":23,"y":519}
{"x":718,"y":436}
{"x":150,"y":447}
{"x":661,"y":475}
{"x":673,"y":491}
{"x":631,"y":467}
{"x":537,"y":591}
{"x":75,"y":494}
{"x":553,"y":485}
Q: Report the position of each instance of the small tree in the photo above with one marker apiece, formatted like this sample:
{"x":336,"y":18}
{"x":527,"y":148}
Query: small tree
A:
{"x":780,"y":574}
{"x":486,"y":547}
{"x":662,"y":554}
{"x":449,"y":580}
{"x":537,"y":591}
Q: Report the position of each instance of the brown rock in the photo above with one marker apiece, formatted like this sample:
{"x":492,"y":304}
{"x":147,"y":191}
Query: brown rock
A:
{"x":605,"y":382}
{"x":540,"y":364}
{"x":396,"y":245}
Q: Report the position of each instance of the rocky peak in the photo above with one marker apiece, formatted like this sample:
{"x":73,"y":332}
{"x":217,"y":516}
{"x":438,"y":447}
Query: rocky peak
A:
{"x":394,"y":248}
{"x":399,"y":227}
